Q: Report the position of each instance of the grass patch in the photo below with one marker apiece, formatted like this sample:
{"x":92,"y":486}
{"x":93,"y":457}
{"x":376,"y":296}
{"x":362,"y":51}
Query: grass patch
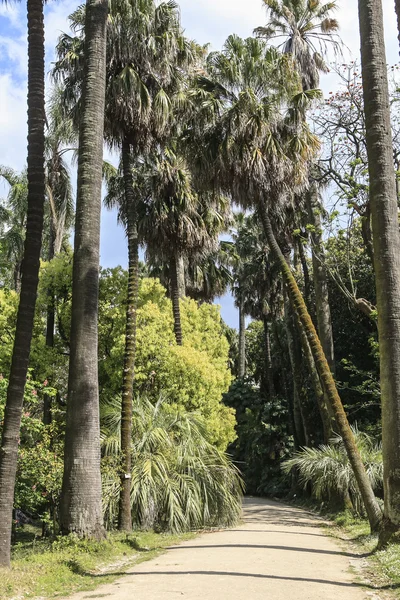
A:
{"x":384,"y":565}
{"x":67,"y":565}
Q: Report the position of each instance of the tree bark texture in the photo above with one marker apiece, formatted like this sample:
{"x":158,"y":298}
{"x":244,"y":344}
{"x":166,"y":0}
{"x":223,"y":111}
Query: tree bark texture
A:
{"x":81,"y":505}
{"x":175,"y":300}
{"x":125,"y":513}
{"x":30,"y":275}
{"x":386,"y":240}
{"x":242,"y":341}
{"x":328,"y":383}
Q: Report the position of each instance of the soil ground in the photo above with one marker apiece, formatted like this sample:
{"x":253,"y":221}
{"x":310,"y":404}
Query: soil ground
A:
{"x":278,"y":553}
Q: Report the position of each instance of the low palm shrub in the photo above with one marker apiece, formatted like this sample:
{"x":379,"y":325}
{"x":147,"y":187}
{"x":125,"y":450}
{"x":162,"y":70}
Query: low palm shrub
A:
{"x":180,"y":480}
{"x":328,"y":472}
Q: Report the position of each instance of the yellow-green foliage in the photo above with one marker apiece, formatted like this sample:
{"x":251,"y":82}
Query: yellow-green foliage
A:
{"x":194,"y":375}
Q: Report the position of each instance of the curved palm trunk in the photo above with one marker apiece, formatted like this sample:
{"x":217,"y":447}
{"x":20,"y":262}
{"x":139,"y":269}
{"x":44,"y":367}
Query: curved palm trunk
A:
{"x":81,"y":507}
{"x":30,"y":275}
{"x":386,"y":239}
{"x":328,"y":383}
{"x":175,"y":299}
{"x":125,"y":514}
{"x":242,"y":342}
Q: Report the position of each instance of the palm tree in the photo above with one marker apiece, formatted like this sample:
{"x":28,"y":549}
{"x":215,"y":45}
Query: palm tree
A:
{"x":81,"y":507}
{"x":384,"y":212}
{"x":180,"y":480}
{"x":13,"y":222}
{"x":30,"y":274}
{"x":307,"y":29}
{"x":147,"y":55}
{"x":261,"y":158}
{"x":176,"y":222}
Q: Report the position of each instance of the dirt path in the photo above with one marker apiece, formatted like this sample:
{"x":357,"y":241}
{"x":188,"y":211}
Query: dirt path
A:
{"x":279,"y":553}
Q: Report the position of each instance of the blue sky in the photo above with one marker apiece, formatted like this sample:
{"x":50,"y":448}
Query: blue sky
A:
{"x":207,"y":21}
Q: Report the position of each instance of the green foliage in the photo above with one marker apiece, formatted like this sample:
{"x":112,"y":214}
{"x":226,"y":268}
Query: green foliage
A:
{"x":39,"y":469}
{"x":180,"y":479}
{"x":263,"y":438}
{"x":328,"y":471}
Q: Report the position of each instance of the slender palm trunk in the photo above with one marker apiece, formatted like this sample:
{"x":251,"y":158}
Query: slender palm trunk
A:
{"x":50,"y":324}
{"x":386,"y":239}
{"x":125,"y":513}
{"x":269,"y":372}
{"x":30,"y":275}
{"x":81,"y":506}
{"x":328,"y":383}
{"x":300,"y":437}
{"x":175,"y":299}
{"x":242,"y":342}
{"x":320,"y":278}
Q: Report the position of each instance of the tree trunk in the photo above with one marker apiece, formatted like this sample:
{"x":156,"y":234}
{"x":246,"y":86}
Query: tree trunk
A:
{"x":328,"y":383}
{"x":180,"y":272}
{"x":386,"y":240}
{"x":175,"y":300}
{"x":320,"y":277}
{"x":306,"y":276}
{"x":17,"y":277}
{"x":125,"y":514}
{"x":30,"y":275}
{"x":242,"y":342}
{"x":268,"y":359}
{"x":327,"y":417}
{"x":50,"y":323}
{"x":300,"y":437}
{"x":81,"y":506}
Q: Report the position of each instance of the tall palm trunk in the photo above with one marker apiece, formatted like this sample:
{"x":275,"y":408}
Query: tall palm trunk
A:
{"x":320,"y":278}
{"x":30,"y":275}
{"x":50,"y":323}
{"x":328,"y":383}
{"x":81,"y":507}
{"x":268,"y":358}
{"x":125,"y":513}
{"x":175,"y":299}
{"x":302,"y":437}
{"x":242,"y":341}
{"x":385,"y":228}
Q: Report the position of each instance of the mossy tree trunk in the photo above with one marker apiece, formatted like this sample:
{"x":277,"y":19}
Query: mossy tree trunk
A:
{"x":372,"y":508}
{"x":386,"y":239}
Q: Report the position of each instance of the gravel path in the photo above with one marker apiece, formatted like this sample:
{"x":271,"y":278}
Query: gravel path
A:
{"x":278,"y":553}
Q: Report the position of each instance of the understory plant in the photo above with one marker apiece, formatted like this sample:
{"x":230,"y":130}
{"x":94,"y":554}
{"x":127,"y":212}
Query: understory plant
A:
{"x":180,"y":480}
{"x":327,"y":472}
